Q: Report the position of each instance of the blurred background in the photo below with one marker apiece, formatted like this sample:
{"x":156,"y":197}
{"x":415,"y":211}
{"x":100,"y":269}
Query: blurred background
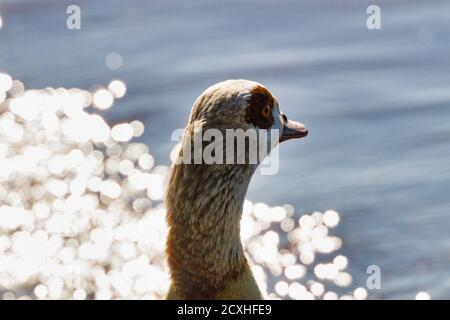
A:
{"x":376,"y":103}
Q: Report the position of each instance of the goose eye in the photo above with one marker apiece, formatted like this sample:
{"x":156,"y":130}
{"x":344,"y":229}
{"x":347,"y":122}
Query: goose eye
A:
{"x":266,"y":111}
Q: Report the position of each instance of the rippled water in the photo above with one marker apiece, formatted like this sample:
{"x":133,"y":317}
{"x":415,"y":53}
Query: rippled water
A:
{"x":376,"y":104}
{"x":81,"y":212}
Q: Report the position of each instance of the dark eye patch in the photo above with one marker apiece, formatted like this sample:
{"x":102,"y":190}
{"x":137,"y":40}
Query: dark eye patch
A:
{"x":260,"y":97}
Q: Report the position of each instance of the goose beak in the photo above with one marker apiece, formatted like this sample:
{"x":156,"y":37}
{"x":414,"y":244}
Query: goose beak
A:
{"x":293,"y":130}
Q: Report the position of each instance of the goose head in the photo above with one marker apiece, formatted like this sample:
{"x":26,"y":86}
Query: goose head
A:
{"x":242,"y":105}
{"x":204,"y":200}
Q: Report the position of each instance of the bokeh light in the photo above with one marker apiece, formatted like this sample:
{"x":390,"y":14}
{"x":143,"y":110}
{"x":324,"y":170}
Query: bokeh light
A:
{"x":82,"y":215}
{"x":103,"y":99}
{"x":422,"y":295}
{"x":117,"y":88}
{"x":114,"y":61}
{"x":5,"y":82}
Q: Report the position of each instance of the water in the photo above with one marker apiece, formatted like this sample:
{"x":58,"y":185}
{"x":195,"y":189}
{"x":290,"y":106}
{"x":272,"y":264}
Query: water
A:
{"x":376,"y":104}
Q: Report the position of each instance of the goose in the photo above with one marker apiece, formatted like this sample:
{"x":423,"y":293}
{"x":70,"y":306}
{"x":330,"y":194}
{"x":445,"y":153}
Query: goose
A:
{"x":204,"y":202}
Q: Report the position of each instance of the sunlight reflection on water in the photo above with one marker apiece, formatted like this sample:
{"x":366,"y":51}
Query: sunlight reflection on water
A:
{"x":82,"y":218}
